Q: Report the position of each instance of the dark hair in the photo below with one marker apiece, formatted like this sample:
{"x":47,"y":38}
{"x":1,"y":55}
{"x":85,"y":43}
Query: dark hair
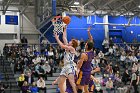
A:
{"x":90,"y":45}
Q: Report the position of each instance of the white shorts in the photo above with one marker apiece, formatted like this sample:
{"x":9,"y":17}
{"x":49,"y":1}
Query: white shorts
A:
{"x":66,"y":70}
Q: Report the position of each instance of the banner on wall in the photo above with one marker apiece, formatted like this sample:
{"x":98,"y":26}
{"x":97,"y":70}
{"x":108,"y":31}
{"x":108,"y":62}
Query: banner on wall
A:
{"x":11,"y":19}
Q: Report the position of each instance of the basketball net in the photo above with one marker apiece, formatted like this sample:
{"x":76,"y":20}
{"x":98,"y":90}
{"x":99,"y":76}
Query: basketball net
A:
{"x":58,"y":24}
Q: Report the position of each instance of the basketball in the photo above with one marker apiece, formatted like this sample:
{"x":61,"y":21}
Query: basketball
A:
{"x":66,"y":20}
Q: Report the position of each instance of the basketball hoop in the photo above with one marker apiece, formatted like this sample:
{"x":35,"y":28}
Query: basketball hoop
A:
{"x":58,"y":24}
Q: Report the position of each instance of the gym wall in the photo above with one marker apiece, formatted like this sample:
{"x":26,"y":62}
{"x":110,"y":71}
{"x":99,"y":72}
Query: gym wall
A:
{"x":9,"y":33}
{"x":78,"y":28}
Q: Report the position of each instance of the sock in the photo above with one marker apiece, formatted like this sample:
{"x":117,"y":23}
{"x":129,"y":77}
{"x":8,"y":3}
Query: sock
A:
{"x":79,"y":91}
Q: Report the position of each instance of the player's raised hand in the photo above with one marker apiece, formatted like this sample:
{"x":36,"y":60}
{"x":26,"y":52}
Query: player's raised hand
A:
{"x":56,"y":35}
{"x":89,"y":28}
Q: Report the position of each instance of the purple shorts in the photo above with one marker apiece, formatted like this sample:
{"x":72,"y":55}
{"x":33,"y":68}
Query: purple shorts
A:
{"x":83,"y":78}
{"x":69,"y":88}
{"x":91,"y":86}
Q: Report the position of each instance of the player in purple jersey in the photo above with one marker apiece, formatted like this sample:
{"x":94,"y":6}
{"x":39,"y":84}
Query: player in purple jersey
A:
{"x":84,"y":66}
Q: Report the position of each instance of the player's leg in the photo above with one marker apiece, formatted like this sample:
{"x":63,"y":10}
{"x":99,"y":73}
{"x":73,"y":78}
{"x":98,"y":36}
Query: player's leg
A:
{"x":72,"y":82}
{"x":80,"y":82}
{"x":87,"y":82}
{"x":86,"y":89}
{"x":62,"y":84}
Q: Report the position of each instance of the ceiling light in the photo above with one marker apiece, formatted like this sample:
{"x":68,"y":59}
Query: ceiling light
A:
{"x":76,"y":3}
{"x":139,"y":6}
{"x":75,"y":6}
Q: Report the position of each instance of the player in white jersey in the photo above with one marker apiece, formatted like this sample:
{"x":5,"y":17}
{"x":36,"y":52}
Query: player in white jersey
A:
{"x":68,"y":69}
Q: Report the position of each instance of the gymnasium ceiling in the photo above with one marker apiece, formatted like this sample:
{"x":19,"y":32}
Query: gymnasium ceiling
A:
{"x":42,"y":8}
{"x":103,"y":7}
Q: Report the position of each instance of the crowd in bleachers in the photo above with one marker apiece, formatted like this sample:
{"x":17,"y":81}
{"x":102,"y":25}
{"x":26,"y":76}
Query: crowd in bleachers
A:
{"x":119,"y":64}
{"x":31,"y":63}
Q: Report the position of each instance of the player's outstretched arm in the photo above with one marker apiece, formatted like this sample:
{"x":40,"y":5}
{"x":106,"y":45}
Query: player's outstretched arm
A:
{"x":64,"y":36}
{"x":61,"y":44}
{"x":89,"y":34}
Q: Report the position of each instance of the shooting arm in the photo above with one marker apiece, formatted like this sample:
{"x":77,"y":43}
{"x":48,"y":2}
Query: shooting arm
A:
{"x":61,"y":44}
{"x":64,"y":36}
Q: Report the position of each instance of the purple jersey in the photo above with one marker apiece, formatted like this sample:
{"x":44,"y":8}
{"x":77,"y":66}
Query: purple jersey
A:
{"x":85,"y":70}
{"x":86,"y":67}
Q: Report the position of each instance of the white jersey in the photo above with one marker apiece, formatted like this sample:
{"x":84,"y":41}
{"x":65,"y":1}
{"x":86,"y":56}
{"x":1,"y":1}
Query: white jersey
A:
{"x":68,"y":58}
{"x":68,"y":64}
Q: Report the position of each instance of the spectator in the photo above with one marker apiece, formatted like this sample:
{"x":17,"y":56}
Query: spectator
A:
{"x":44,"y":44}
{"x":29,"y":78}
{"x":115,"y":40}
{"x":51,"y":53}
{"x":110,"y":42}
{"x":43,"y":58}
{"x":116,"y":69}
{"x":38,"y":59}
{"x":57,"y":90}
{"x":134,"y":58}
{"x":24,"y":41}
{"x":35,"y":61}
{"x":25,"y":87}
{"x":41,"y":85}
{"x":6,"y":50}
{"x":110,"y":51}
{"x":101,"y":55}
{"x":21,"y":80}
{"x":109,"y":86}
{"x":2,"y":89}
{"x":105,"y":45}
{"x":39,"y":70}
{"x":82,"y":44}
{"x":34,"y":88}
{"x":18,"y":66}
{"x":123,"y":56}
{"x":109,"y":69}
{"x":138,"y":56}
{"x":102,"y":66}
{"x":51,"y":63}
{"x":134,"y":80}
{"x":47,"y":68}
{"x":135,"y":66}
{"x":125,"y":77}
{"x":26,"y":71}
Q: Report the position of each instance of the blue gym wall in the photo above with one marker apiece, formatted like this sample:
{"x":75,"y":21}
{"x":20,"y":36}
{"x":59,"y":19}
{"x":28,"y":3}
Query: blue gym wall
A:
{"x":78,"y":29}
{"x":126,"y":31}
